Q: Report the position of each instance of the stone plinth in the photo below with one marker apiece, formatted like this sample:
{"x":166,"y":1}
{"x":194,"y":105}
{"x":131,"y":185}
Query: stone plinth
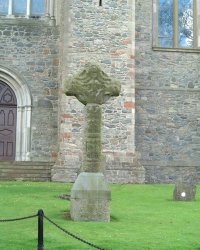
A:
{"x":184,"y":191}
{"x":90,"y":198}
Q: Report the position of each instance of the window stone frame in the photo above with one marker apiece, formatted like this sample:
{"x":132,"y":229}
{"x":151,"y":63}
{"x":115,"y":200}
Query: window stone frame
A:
{"x":196,"y":28}
{"x":49,"y":14}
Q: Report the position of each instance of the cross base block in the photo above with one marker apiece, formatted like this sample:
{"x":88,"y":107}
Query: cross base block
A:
{"x":90,"y":198}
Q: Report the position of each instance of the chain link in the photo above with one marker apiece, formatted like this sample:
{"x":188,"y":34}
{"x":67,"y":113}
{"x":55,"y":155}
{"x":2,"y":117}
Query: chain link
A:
{"x":72,"y":235}
{"x":59,"y":227}
{"x":16,"y":219}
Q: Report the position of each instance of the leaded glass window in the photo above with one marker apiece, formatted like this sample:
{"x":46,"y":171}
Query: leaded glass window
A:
{"x":176,"y":24}
{"x":19,"y":7}
{"x":165,"y":23}
{"x":22,"y":7}
{"x":185,"y":23}
{"x":37,"y":7}
{"x":4,"y":7}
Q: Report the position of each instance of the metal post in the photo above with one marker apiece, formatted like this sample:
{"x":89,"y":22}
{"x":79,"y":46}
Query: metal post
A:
{"x":40,"y":230}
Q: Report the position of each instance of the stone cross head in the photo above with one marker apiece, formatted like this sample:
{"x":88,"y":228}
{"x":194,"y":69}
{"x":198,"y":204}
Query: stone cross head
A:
{"x":92,"y":85}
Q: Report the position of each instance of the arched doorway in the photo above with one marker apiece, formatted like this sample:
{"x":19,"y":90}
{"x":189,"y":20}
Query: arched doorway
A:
{"x":8,"y":118}
{"x":20,"y":89}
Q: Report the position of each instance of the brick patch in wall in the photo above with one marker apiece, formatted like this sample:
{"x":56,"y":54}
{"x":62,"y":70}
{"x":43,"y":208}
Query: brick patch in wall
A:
{"x":66,"y":116}
{"x":129,"y":105}
{"x":67,"y":135}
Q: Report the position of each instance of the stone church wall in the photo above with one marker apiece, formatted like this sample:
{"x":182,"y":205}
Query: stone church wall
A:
{"x":30,"y":47}
{"x":167,"y":106}
{"x":160,"y":128}
{"x":103,"y":35}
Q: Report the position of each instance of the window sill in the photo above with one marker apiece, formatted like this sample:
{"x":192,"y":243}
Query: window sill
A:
{"x":22,"y":20}
{"x":183,"y":50}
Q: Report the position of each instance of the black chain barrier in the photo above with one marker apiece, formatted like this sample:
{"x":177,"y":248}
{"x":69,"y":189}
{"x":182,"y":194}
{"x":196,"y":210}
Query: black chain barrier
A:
{"x":22,"y":218}
{"x":72,"y":235}
{"x":40,"y":216}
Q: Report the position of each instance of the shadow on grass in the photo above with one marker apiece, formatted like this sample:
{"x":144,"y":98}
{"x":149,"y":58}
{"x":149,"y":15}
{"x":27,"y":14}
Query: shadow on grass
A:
{"x":66,"y":215}
{"x":179,"y":201}
{"x":64,"y":196}
{"x":113,"y":218}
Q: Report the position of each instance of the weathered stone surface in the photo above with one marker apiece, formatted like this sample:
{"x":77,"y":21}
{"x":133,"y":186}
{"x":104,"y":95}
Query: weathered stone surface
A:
{"x":44,"y":104}
{"x":23,"y":46}
{"x":171,"y":172}
{"x":124,"y":168}
{"x":90,"y":198}
{"x":25,"y":171}
{"x":44,"y":58}
{"x":92,"y":33}
{"x":90,"y":195}
{"x":92,"y":85}
{"x":184,"y":191}
{"x":167,"y":98}
{"x":92,"y":153}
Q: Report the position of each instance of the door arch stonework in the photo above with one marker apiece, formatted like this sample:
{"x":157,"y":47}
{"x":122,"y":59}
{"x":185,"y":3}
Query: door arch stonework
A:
{"x":23,"y":111}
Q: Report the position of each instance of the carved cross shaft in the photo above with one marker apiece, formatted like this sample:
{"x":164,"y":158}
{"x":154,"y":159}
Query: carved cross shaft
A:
{"x":92,"y":87}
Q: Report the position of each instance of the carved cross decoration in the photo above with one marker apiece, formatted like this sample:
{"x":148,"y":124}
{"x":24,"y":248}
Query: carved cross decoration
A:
{"x":100,"y":2}
{"x":92,"y":87}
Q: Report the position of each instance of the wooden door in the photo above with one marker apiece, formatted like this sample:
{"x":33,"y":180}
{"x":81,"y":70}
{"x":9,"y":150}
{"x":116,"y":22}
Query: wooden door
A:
{"x":8,"y":116}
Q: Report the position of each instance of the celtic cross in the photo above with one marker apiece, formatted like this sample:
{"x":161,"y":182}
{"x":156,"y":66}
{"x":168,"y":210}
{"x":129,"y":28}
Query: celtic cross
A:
{"x":92,"y":87}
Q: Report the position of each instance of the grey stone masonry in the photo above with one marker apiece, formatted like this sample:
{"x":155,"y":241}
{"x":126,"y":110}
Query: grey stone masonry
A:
{"x":90,"y":198}
{"x":30,"y":48}
{"x":103,"y":35}
{"x":25,"y":171}
{"x":92,"y":87}
{"x":167,"y":110}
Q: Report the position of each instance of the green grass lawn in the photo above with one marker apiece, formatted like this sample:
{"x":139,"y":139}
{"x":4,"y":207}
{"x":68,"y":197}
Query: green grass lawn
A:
{"x":143,"y":217}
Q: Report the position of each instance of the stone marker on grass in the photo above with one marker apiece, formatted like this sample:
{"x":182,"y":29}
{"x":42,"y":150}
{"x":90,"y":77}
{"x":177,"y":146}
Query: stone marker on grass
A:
{"x":90,"y":194}
{"x":184,"y":191}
